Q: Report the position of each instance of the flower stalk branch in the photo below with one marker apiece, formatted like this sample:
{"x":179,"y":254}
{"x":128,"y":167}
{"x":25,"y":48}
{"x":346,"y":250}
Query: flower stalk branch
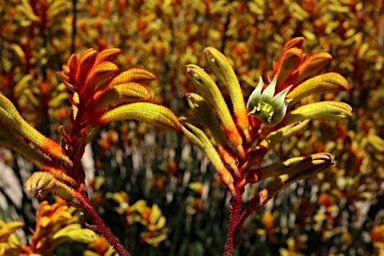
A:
{"x":100,"y":95}
{"x":239,"y":139}
{"x":102,"y":229}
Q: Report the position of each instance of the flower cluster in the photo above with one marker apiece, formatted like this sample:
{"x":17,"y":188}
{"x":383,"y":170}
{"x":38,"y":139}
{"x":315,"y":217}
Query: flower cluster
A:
{"x":236,"y":140}
{"x":151,"y":218}
{"x":55,"y":224}
{"x":100,"y":95}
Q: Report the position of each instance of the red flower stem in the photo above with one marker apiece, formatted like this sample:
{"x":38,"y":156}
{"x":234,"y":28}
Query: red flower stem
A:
{"x":234,"y":208}
{"x":255,"y":204}
{"x":102,"y":229}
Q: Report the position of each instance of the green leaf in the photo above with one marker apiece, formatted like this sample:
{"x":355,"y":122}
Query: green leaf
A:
{"x":137,"y":75}
{"x":298,"y":170}
{"x":39,"y":184}
{"x":58,"y":100}
{"x":91,"y":133}
{"x":279,"y":135}
{"x":10,"y":118}
{"x":329,"y":82}
{"x":329,"y":110}
{"x":25,"y":8}
{"x":121,"y":93}
{"x":22,"y":84}
{"x":224,"y":72}
{"x":258,"y":174}
{"x":305,"y":168}
{"x":73,"y":232}
{"x":13,"y":142}
{"x":376,"y":142}
{"x":19,"y":52}
{"x":146,"y":112}
{"x":56,"y":8}
{"x":200,"y":139}
{"x":209,"y":90}
{"x":202,"y":111}
{"x":8,"y":229}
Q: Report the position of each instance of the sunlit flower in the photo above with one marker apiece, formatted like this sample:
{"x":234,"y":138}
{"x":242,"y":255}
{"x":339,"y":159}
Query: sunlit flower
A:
{"x":99,"y":247}
{"x":268,"y":107}
{"x":8,"y":241}
{"x":56,"y":224}
{"x":151,"y":218}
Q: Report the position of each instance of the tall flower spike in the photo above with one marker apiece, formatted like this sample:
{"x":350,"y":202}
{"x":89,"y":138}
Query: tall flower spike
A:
{"x":269,"y":108}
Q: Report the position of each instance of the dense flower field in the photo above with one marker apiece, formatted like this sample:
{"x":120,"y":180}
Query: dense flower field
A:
{"x":192,"y":127}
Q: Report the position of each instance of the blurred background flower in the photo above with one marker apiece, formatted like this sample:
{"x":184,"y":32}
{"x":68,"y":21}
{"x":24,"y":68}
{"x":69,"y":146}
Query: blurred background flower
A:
{"x":338,"y":212}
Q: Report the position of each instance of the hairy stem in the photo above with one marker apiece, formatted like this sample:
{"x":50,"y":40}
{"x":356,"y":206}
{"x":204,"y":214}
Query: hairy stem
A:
{"x":102,"y":229}
{"x":234,"y":208}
